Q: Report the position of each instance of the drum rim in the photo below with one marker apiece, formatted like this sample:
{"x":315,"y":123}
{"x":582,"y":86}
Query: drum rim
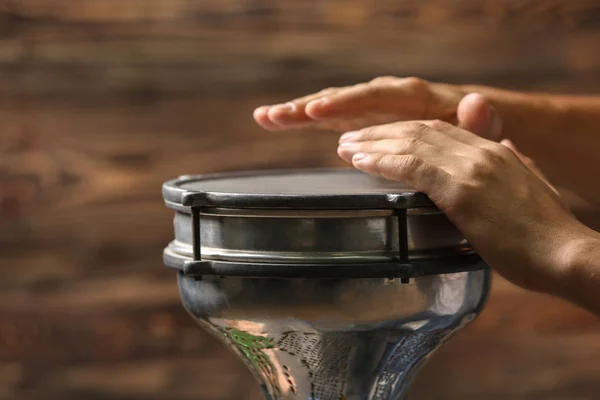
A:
{"x":180,"y":199}
{"x":466,"y":262}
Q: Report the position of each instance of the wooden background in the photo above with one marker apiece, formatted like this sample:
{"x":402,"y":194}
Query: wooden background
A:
{"x":103,"y":100}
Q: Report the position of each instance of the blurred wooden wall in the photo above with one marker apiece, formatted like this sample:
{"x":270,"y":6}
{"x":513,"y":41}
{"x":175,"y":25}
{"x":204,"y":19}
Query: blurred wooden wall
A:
{"x":103,"y":100}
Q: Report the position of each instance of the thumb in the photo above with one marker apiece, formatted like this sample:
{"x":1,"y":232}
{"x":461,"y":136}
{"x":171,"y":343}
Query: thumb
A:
{"x":477,"y":115}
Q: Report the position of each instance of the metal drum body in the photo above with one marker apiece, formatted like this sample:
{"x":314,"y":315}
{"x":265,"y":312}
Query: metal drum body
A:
{"x":328,"y":284}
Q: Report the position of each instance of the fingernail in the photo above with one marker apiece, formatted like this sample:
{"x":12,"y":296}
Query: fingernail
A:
{"x":286,"y":108}
{"x":260,"y":112}
{"x":359,"y":157}
{"x":348,"y":136}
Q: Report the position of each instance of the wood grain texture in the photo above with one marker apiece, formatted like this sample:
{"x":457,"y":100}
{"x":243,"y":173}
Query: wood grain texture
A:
{"x":147,"y":48}
{"x":103,"y":100}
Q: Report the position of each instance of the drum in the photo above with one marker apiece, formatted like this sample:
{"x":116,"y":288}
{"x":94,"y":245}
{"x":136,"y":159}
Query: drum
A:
{"x":328,"y":284}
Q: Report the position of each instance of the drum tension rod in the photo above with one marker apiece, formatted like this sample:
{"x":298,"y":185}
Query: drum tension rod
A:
{"x":402,"y":239}
{"x":196,"y":233}
{"x":197,"y":246}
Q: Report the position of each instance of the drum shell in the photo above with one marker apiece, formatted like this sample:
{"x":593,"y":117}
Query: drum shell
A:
{"x":356,"y":339}
{"x":316,"y":236}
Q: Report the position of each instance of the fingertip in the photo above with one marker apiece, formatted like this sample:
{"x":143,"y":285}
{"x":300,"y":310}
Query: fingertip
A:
{"x":473,"y":114}
{"x":346,"y":151}
{"x":260,"y":113}
{"x":364,"y":162}
{"x":343,"y":154}
{"x":475,"y":100}
{"x":476,"y":114}
{"x":360,"y":158}
{"x":474,"y":103}
{"x":348,"y":137}
{"x":287,"y":114}
{"x":262,"y":118}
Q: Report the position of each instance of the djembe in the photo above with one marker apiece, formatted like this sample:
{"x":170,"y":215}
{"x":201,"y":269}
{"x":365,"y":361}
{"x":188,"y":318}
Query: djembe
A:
{"x":328,"y":284}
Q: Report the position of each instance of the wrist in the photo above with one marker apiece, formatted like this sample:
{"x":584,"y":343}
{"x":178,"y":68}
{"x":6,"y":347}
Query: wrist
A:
{"x":577,"y":268}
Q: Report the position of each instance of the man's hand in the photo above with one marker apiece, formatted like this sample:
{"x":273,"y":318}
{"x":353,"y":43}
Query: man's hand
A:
{"x":510,"y":215}
{"x":558,"y":132}
{"x":497,"y":197}
{"x":383,"y":100}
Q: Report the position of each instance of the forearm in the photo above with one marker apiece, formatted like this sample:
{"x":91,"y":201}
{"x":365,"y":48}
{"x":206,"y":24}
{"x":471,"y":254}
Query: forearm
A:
{"x":561,"y":133}
{"x":579,"y":281}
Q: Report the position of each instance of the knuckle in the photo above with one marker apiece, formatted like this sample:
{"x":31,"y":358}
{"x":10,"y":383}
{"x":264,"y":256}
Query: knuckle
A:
{"x":414,"y":82}
{"x":411,"y":143}
{"x":404,"y":146}
{"x":374,"y":90}
{"x":415,"y":127}
{"x":411,"y":162}
{"x":495,"y":147}
{"x":366,"y":134}
{"x":399,"y":167}
{"x":328,"y":90}
{"x":398,"y":148}
{"x":410,"y":165}
{"x":495,"y":153}
{"x":438,"y":124}
{"x":386,"y":161}
{"x":383,"y":80}
{"x":480,"y":169}
{"x":389,"y":168}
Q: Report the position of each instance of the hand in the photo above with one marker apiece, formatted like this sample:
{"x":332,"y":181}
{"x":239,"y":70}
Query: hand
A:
{"x":383,"y":100}
{"x":512,"y":218}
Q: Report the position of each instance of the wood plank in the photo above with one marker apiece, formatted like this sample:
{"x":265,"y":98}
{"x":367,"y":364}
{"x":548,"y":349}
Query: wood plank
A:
{"x":174,"y":378}
{"x":141,"y":49}
{"x":547,"y":13}
{"x":474,"y":367}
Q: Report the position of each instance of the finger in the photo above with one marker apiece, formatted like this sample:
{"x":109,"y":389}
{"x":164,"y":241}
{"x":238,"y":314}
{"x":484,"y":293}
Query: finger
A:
{"x":410,"y":169}
{"x":433,"y":132}
{"x":397,"y":130}
{"x":262,"y":118}
{"x":293,"y":113}
{"x":395,"y":96}
{"x":459,"y":134}
{"x":388,"y":146}
{"x":477,"y":115}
